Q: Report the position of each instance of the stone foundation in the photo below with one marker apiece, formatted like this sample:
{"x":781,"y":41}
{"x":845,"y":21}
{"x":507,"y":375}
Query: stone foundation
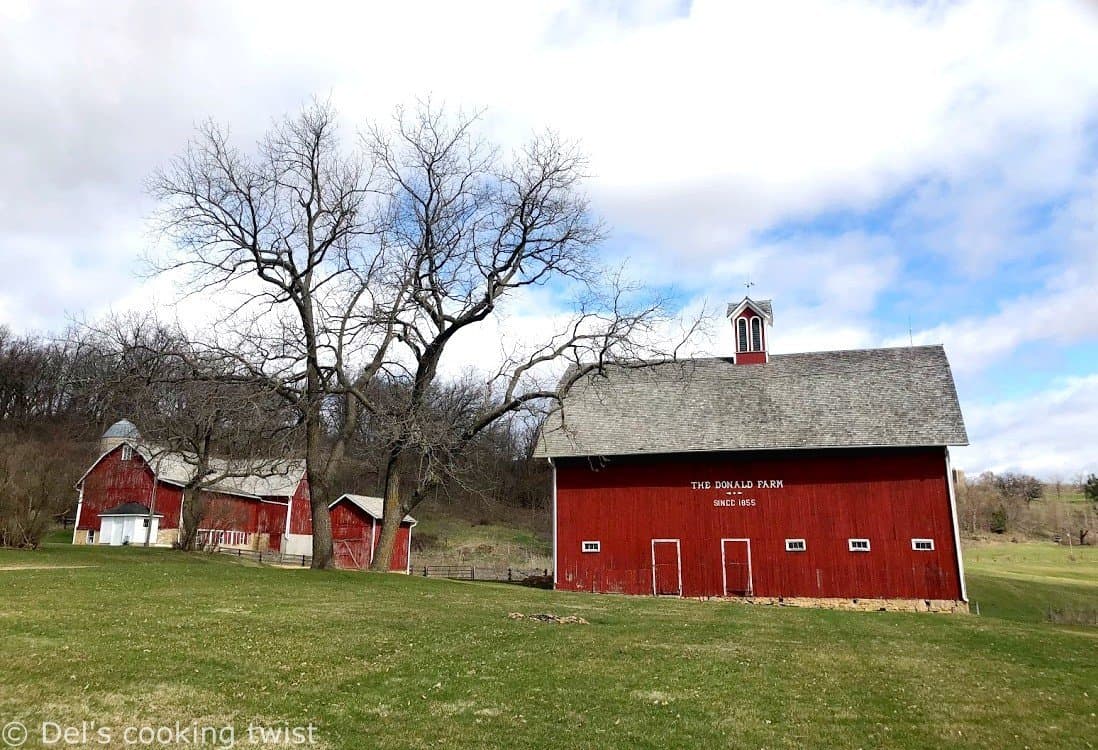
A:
{"x":166,"y":537}
{"x":945,"y":606}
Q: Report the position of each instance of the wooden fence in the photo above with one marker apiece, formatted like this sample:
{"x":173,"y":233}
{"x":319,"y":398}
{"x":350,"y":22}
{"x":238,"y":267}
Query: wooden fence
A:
{"x":478,"y":573}
{"x":268,"y":556}
{"x":530,"y":577}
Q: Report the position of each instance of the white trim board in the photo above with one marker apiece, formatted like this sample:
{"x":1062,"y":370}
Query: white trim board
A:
{"x":956,"y":525}
{"x":554,"y":480}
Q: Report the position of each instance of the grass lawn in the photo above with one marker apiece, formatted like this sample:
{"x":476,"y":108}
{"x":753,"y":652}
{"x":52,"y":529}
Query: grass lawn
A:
{"x":1028,"y":581}
{"x":151,"y":637}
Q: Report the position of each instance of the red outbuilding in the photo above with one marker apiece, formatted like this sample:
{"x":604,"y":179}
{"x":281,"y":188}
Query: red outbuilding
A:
{"x":819,"y":478}
{"x":356,"y":531}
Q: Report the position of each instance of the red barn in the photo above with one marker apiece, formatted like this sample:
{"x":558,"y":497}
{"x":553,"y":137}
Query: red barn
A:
{"x":356,"y":530}
{"x":819,"y":478}
{"x":133,"y":494}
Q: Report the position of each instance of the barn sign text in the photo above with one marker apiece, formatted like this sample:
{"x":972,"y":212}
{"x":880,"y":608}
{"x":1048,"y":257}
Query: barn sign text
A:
{"x":738,"y":484}
{"x":734,"y":490}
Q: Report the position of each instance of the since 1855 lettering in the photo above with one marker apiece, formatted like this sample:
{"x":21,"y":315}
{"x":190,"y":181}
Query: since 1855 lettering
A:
{"x":734,"y":490}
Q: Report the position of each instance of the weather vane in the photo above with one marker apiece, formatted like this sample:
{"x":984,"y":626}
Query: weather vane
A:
{"x":749,"y":284}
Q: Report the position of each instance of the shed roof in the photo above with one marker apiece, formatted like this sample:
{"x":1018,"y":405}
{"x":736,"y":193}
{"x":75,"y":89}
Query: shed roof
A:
{"x":856,"y":398}
{"x":372,"y":506}
{"x":128,"y":509}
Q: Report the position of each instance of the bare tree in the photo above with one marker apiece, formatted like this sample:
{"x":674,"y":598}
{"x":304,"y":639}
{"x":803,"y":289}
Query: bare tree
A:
{"x":293,"y":216}
{"x":370,"y":264}
{"x":472,"y":227}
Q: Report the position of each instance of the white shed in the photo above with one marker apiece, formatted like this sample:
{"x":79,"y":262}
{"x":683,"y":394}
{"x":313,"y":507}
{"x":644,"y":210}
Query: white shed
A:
{"x":128,"y":523}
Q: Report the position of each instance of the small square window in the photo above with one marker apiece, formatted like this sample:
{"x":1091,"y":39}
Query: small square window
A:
{"x":91,"y":537}
{"x":922,"y":545}
{"x":145,"y":522}
{"x":592,"y":546}
{"x":858,"y":545}
{"x":795,"y":545}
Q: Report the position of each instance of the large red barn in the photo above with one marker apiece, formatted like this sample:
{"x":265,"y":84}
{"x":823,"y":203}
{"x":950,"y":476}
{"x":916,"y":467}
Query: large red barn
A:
{"x":819,"y":478}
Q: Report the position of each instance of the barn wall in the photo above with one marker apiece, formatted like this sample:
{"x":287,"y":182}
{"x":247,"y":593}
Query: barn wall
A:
{"x":826,"y":498}
{"x":114,"y":481}
{"x":301,"y":518}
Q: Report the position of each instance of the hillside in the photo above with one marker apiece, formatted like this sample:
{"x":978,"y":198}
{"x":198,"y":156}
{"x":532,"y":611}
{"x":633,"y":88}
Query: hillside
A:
{"x":123,"y":636}
{"x":503,"y":543}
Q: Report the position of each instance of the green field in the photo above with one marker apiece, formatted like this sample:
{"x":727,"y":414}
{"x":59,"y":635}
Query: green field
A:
{"x":1034,"y":582}
{"x":149,"y":638}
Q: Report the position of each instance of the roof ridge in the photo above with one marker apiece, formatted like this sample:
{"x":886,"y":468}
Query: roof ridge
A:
{"x":640,"y":364}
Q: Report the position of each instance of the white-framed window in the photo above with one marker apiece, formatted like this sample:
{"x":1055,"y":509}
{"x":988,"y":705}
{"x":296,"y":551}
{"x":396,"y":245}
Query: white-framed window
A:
{"x":145,"y":522}
{"x":592,"y":546}
{"x":756,"y":335}
{"x":795,"y":545}
{"x":741,"y":335}
{"x":922,"y":545}
{"x":858,"y":545}
{"x":91,"y":536}
{"x":127,"y":453}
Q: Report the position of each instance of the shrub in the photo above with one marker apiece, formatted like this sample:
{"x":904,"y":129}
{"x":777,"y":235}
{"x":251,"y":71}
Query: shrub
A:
{"x":999,"y":520}
{"x":36,"y":479}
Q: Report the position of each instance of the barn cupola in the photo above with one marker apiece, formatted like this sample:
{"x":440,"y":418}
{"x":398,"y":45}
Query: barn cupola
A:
{"x":749,"y":320}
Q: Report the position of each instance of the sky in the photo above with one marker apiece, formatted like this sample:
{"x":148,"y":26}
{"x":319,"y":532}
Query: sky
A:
{"x":887,"y":172}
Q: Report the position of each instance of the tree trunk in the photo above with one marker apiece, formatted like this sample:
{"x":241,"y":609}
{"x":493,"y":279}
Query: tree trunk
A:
{"x":319,"y":493}
{"x":190,"y":518}
{"x":392,"y":513}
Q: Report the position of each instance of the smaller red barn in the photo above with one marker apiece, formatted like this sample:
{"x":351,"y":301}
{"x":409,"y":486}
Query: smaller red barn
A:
{"x":133,"y":494}
{"x":356,"y":529}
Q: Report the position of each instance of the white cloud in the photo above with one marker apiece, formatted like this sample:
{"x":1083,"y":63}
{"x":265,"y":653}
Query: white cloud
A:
{"x":1049,"y":433}
{"x":1059,"y":308}
{"x":704,"y":129}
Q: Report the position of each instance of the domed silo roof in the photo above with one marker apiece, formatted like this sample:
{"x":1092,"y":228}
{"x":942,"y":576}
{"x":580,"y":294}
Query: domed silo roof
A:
{"x":124,"y":429}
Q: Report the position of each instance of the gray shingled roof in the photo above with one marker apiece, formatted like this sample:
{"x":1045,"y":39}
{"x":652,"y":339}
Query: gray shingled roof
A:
{"x":858,"y":398}
{"x":764,"y":305}
{"x":128,"y":509}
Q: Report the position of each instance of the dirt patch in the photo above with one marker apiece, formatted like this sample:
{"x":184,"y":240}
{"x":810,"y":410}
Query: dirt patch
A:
{"x":546,"y":617}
